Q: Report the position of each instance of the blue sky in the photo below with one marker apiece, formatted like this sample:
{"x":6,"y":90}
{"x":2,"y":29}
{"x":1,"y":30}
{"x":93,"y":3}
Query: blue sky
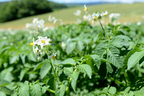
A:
{"x":85,"y":1}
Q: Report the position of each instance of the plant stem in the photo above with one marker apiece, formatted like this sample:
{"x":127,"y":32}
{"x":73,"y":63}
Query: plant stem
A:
{"x":103,"y":28}
{"x":53,"y":70}
{"x":51,"y":91}
{"x":70,"y":79}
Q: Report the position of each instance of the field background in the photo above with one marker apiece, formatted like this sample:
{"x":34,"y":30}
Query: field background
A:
{"x":129,"y":13}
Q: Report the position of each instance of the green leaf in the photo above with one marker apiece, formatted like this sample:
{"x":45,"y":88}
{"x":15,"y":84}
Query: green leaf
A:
{"x":6,"y":74}
{"x":91,"y":94}
{"x":31,"y":56}
{"x":85,"y":69}
{"x":112,"y":90}
{"x":22,"y":58}
{"x":135,"y":49}
{"x":44,"y":88}
{"x":68,"y":71}
{"x":134,"y":59}
{"x":2,"y":93}
{"x":3,"y":83}
{"x":131,"y":93}
{"x":109,"y":68}
{"x":139,"y":92}
{"x":14,"y":59}
{"x":80,"y":45}
{"x":69,"y":61}
{"x":91,"y":62}
{"x":73,"y":84}
{"x":101,"y":47}
{"x":97,"y":60}
{"x":61,"y":91}
{"x":126,"y":90}
{"x":45,"y":69}
{"x":52,"y":83}
{"x":14,"y":94}
{"x":38,"y":66}
{"x":24,"y":89}
{"x":74,"y":77}
{"x":113,"y":57}
{"x":70,"y":47}
{"x":35,"y":90}
{"x":120,"y":41}
{"x":23,"y":72}
{"x":95,"y":38}
{"x":6,"y":90}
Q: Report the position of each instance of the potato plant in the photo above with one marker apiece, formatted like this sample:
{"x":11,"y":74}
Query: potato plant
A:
{"x":73,"y":60}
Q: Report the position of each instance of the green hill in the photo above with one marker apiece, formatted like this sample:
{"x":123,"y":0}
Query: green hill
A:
{"x":129,"y":13}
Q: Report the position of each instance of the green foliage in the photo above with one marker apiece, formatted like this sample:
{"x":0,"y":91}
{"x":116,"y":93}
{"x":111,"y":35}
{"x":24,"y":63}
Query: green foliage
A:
{"x":24,"y":90}
{"x":134,"y":59}
{"x":35,"y":90}
{"x":89,"y":65}
{"x":23,"y":8}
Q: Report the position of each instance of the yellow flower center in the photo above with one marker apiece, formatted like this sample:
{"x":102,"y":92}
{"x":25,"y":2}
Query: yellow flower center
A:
{"x":53,"y":57}
{"x":43,"y":41}
{"x":35,"y":21}
{"x":35,"y":53}
{"x":31,"y":44}
{"x":104,"y":15}
{"x":84,"y":9}
{"x":95,"y":17}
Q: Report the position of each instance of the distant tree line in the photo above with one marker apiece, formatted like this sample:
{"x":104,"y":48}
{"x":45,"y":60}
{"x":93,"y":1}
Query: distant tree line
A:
{"x":23,"y":8}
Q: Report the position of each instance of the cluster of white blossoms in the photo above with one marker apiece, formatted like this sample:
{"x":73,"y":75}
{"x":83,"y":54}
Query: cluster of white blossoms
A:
{"x":51,"y":19}
{"x":114,"y":16}
{"x":87,"y":17}
{"x":39,"y":24}
{"x":77,"y":13}
{"x":98,"y":15}
{"x":29,"y":25}
{"x":38,"y":45}
{"x":54,"y":20}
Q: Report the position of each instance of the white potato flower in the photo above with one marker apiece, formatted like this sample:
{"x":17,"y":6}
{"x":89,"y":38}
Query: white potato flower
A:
{"x":68,"y":39}
{"x":78,"y":20}
{"x":52,"y":56}
{"x":35,"y":21}
{"x":43,"y":41}
{"x":45,"y":29}
{"x":139,"y":23}
{"x":29,"y":25}
{"x":85,"y":9}
{"x":41,"y":23}
{"x":87,"y":17}
{"x":114,"y":15}
{"x":77,"y":13}
{"x":63,"y":45}
{"x":50,"y":18}
{"x":104,"y":13}
{"x":39,"y":58}
{"x":95,"y":16}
